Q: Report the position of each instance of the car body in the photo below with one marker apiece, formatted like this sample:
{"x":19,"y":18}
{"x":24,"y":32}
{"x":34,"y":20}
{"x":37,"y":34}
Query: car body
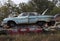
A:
{"x":28,"y":18}
{"x":57,"y":17}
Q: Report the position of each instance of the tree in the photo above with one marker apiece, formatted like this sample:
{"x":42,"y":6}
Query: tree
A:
{"x":4,"y":12}
{"x":26,"y":7}
{"x":56,"y":10}
{"x":42,"y":5}
{"x":36,"y":6}
{"x":8,"y":8}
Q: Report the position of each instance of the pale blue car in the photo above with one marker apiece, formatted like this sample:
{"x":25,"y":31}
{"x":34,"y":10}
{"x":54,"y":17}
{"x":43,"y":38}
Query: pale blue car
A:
{"x":29,"y":18}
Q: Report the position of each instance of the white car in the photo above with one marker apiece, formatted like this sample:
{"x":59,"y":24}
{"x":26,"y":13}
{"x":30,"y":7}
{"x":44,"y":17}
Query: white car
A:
{"x":29,"y":18}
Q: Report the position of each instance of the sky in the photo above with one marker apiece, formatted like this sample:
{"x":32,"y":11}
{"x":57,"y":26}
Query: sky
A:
{"x":16,"y":1}
{"x":19,"y":1}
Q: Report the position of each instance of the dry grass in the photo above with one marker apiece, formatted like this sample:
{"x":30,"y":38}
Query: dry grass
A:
{"x":31,"y":37}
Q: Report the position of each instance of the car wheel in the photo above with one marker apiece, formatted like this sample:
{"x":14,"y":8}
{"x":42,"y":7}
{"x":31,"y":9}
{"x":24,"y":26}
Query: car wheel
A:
{"x":51,"y":23}
{"x":11,"y":24}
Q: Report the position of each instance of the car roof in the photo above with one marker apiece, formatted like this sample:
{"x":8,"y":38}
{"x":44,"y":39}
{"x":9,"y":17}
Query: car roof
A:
{"x":31,"y":12}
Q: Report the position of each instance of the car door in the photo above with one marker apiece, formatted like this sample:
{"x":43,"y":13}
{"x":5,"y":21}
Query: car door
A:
{"x":32,"y":18}
{"x":23,"y":18}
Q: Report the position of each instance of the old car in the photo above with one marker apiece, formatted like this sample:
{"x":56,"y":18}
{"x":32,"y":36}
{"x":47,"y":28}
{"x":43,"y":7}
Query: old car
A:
{"x":29,"y":18}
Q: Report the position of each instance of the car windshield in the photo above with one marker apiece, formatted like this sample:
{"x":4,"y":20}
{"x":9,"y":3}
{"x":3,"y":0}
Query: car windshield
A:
{"x":23,"y":14}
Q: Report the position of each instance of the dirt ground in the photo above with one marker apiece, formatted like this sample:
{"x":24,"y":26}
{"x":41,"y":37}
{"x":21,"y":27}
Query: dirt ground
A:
{"x":32,"y":37}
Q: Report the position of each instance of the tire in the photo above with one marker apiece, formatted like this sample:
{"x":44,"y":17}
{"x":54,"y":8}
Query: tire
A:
{"x":51,"y":23}
{"x":41,"y":23}
{"x":11,"y":24}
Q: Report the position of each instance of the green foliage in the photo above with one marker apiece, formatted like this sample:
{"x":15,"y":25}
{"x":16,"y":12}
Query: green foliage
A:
{"x":55,"y":10}
{"x":36,"y":6}
{"x":42,"y":5}
{"x":26,"y":7}
{"x":5,"y":10}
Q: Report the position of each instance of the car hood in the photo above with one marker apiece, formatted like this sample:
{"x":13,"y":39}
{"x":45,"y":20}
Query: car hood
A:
{"x":10,"y":18}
